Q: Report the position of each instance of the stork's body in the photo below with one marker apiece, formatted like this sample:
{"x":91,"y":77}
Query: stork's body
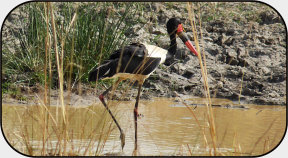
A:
{"x":136,"y":62}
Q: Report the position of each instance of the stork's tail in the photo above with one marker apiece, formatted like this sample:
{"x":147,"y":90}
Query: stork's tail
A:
{"x":101,"y":72}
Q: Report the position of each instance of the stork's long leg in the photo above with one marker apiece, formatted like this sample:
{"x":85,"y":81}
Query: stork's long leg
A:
{"x":101,"y":97}
{"x":136,"y":114}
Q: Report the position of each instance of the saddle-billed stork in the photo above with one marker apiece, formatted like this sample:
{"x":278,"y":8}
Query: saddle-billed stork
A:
{"x":136,"y":62}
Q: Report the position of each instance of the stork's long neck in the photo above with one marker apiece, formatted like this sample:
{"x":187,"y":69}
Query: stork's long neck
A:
{"x":173,"y":45}
{"x":171,"y":50}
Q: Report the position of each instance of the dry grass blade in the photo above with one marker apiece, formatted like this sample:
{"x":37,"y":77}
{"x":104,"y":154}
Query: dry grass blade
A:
{"x":204,"y":76}
{"x":47,"y":110}
{"x":60,"y":72}
{"x":190,"y":152}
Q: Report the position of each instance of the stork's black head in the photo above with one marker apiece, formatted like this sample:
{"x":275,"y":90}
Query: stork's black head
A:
{"x":174,"y":27}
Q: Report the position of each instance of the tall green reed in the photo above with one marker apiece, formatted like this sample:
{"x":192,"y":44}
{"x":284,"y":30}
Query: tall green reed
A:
{"x":83,"y":49}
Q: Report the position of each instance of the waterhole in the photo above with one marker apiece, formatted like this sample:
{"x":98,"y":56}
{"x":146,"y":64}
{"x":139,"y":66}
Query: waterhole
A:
{"x":166,"y":127}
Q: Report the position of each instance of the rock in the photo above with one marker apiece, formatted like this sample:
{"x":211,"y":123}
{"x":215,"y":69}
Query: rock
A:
{"x":231,"y":57}
{"x":230,"y":32}
{"x":157,"y":30}
{"x":157,"y":7}
{"x":229,"y":41}
{"x":270,"y":17}
{"x":213,"y":51}
{"x":264,"y":71}
{"x":188,"y":73}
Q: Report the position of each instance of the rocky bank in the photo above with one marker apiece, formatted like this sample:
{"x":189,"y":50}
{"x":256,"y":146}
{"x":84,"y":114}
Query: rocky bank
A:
{"x":244,"y":45}
{"x":254,"y":50}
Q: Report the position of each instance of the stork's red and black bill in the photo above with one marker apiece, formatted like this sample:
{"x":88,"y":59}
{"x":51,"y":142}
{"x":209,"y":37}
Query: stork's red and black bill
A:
{"x":185,"y":39}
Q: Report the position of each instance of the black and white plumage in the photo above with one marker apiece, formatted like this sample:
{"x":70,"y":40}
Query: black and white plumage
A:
{"x":136,"y":62}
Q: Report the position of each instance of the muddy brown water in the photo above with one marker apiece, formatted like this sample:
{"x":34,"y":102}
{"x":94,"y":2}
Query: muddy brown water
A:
{"x":166,"y":128}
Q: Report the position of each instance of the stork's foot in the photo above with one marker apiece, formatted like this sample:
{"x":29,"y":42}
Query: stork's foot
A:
{"x":122,"y":138}
{"x":139,"y":115}
{"x":136,"y":152}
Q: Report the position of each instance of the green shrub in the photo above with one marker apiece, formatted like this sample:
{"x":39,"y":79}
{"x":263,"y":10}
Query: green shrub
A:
{"x":99,"y":29}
